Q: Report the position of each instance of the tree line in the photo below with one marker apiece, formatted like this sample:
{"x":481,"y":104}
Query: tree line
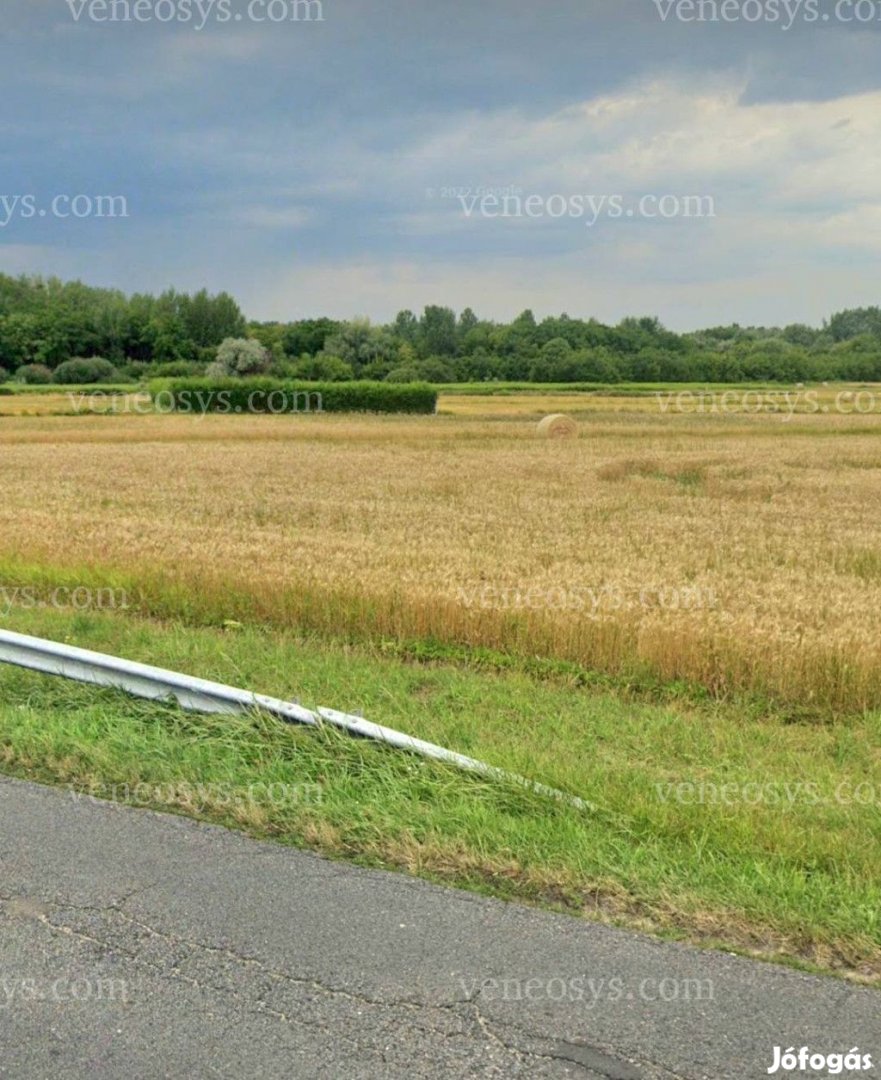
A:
{"x":51,"y":329}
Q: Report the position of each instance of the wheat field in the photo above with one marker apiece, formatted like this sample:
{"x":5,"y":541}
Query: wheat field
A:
{"x":737,"y":552}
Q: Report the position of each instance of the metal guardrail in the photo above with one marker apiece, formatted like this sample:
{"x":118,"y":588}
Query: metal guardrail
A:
{"x":141,"y":680}
{"x":201,"y":695}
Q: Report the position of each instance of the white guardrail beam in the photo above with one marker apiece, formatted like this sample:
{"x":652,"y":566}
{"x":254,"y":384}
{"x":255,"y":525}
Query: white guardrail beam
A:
{"x":201,"y":695}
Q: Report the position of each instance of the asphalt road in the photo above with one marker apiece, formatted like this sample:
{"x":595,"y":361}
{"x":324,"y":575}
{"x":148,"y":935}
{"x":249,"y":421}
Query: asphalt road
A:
{"x":139,"y":945}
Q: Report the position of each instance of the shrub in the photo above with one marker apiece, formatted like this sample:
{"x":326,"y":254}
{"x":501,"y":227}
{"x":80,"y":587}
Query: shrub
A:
{"x":34,"y":375}
{"x":435,"y":370}
{"x":407,"y":373}
{"x":239,"y":356}
{"x":176,"y":369}
{"x":262,"y":395}
{"x":135,"y":370}
{"x":322,"y":368}
{"x":432,"y":370}
{"x":4,"y":375}
{"x":80,"y":370}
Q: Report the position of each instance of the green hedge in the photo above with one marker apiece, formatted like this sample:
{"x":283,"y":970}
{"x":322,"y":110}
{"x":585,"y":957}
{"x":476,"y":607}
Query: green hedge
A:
{"x":263,"y":395}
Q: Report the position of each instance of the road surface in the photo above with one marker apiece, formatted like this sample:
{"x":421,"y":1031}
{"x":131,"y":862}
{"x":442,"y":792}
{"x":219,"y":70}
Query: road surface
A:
{"x":143,"y":945}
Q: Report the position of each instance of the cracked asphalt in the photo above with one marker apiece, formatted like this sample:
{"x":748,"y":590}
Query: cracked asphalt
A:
{"x":135,"y":944}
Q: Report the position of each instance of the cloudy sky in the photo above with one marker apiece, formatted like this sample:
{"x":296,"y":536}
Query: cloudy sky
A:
{"x":333,"y":167}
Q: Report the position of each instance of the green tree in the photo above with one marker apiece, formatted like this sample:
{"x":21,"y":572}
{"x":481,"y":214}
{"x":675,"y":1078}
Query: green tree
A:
{"x":437,"y":331}
{"x":239,"y":356}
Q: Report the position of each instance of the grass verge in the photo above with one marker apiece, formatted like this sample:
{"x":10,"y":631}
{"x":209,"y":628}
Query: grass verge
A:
{"x":783,"y":867}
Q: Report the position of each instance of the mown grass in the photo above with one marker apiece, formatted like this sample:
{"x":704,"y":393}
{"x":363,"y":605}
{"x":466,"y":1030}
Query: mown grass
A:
{"x":793,"y":879}
{"x":63,"y":388}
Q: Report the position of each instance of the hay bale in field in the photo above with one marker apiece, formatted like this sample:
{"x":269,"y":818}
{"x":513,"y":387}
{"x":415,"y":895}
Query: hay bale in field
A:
{"x":557,"y":426}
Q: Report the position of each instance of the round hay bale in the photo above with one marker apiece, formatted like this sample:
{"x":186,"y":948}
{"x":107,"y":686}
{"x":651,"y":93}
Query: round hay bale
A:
{"x":558,"y":426}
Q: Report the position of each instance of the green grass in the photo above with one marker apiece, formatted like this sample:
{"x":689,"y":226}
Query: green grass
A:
{"x":621,"y":389}
{"x":474,"y":389}
{"x":797,"y":880}
{"x":63,"y":388}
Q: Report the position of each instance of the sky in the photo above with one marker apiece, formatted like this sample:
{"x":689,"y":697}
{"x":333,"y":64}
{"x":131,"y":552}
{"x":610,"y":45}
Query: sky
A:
{"x":355,"y":164}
